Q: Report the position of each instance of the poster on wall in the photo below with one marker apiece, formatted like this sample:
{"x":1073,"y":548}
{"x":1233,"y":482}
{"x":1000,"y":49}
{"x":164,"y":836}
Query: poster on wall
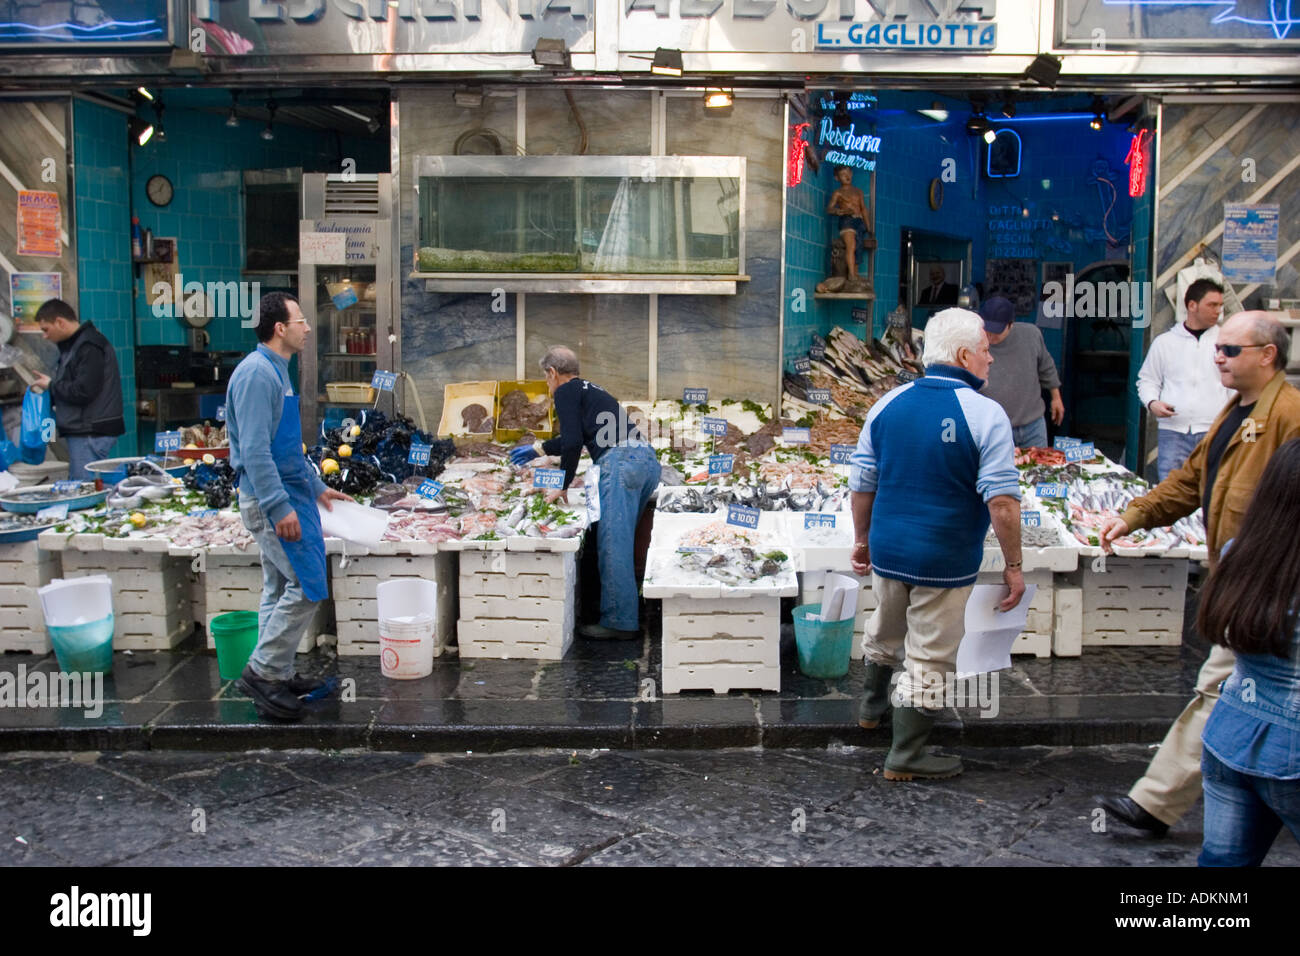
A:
{"x":38,"y":224}
{"x":1016,"y":279}
{"x":1250,"y":242}
{"x":28,"y":291}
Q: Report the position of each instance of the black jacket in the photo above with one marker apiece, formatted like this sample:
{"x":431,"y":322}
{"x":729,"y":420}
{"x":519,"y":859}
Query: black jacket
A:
{"x":86,"y":387}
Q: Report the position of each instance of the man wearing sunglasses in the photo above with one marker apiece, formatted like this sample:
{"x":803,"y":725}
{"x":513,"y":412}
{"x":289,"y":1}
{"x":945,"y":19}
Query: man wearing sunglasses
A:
{"x":1219,"y":477}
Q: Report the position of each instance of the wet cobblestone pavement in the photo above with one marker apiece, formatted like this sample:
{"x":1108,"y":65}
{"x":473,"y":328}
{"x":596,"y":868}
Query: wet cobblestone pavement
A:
{"x":1026,"y":806}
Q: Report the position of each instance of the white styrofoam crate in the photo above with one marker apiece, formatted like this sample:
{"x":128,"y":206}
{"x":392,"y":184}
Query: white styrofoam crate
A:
{"x":1136,"y":572}
{"x":524,"y":609}
{"x":511,"y":587}
{"x":556,"y":564}
{"x":720,"y":677}
{"x":28,"y":565}
{"x":25,"y":639}
{"x":1144,"y":619}
{"x":535,"y":640}
{"x":1139,"y":598}
{"x":1131,"y":638}
{"x":1067,"y":629}
{"x":1040,"y":645}
{"x":722,"y":650}
{"x":355,"y":581}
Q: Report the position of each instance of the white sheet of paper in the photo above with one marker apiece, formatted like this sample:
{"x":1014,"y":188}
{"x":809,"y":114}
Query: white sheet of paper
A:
{"x":353,"y":522}
{"x":990,"y":633}
{"x":839,"y":598}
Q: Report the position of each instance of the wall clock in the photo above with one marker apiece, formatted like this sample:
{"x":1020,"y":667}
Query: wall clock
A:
{"x":159,"y":190}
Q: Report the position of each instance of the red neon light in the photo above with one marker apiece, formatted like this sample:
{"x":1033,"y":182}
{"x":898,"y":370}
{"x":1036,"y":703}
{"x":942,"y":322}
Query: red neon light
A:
{"x":794,"y":163}
{"x":1138,"y":160}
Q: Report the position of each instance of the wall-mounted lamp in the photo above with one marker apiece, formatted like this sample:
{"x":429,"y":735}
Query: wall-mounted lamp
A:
{"x":1098,"y":110}
{"x":469,"y":97}
{"x":1045,"y":70}
{"x":160,"y":133}
{"x":552,"y":53}
{"x":232,"y":120}
{"x":268,"y":134}
{"x":140,"y":130}
{"x":666,"y":62}
{"x":718,"y":102}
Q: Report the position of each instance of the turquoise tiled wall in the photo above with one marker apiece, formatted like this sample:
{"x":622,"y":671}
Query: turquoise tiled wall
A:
{"x":103,"y":222}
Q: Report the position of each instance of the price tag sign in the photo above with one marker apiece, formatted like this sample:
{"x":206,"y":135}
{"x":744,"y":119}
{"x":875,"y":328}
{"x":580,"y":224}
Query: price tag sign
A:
{"x":819,"y":396}
{"x":796,"y":436}
{"x":803,"y":365}
{"x":66,"y":487}
{"x":1047,"y":490}
{"x":817,"y":352}
{"x":814,"y":520}
{"x":384,"y":381}
{"x":1031,"y":519}
{"x":548,"y":478}
{"x":54,"y":512}
{"x":859,"y":314}
{"x":688,"y":549}
{"x":1079,"y":452}
{"x":695,"y":396}
{"x":742,"y":516}
{"x":720,"y":464}
{"x":1061,"y":443}
{"x":221,"y":413}
{"x":840,"y":454}
{"x":167,"y":441}
{"x":202,"y":512}
{"x":905,"y":376}
{"x":429,"y":488}
{"x":419,"y":454}
{"x":713,"y":426}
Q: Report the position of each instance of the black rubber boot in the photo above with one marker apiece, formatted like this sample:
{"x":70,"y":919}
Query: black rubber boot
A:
{"x":874,"y":706}
{"x":908,"y":758}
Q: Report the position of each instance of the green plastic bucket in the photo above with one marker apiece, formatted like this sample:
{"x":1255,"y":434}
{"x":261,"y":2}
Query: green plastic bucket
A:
{"x":235,"y":635}
{"x":824,"y":646}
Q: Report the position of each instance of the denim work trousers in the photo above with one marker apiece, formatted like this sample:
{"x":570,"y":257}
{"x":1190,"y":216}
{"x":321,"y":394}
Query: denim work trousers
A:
{"x":285,"y":610}
{"x":1031,"y":434}
{"x":1174,"y":449}
{"x":82,"y":450}
{"x":1244,"y":813}
{"x":629,"y":475}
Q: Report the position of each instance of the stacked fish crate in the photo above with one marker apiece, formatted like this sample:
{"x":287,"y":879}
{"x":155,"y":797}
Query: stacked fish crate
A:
{"x":718,"y":634}
{"x":355,"y":576}
{"x":1133,"y":601}
{"x":518,"y":597}
{"x":152,"y":591}
{"x":24,"y":568}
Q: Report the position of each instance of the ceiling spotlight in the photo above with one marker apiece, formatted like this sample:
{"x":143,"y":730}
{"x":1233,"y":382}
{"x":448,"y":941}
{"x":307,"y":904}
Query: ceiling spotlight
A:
{"x":268,"y":134}
{"x":143,"y":91}
{"x":666,"y":62}
{"x":990,"y":136}
{"x":1045,"y":70}
{"x":1009,"y":108}
{"x":552,"y":52}
{"x":232,"y":120}
{"x":717,"y":99}
{"x":470,"y":97}
{"x":372,"y":125}
{"x":139,"y":130}
{"x":978,"y":124}
{"x":939,"y":116}
{"x":160,"y":133}
{"x":1098,"y":109}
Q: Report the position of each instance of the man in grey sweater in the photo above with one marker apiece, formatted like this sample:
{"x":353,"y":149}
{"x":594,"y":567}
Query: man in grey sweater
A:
{"x":1022,"y":368}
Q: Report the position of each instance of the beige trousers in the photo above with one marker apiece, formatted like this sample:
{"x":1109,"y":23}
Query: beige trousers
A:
{"x":1173,"y":779}
{"x":920,"y":627}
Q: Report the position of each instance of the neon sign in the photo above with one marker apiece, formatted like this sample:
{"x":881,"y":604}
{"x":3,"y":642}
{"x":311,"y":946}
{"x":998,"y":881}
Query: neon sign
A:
{"x":1137,"y":163}
{"x":852,"y":146}
{"x":794,"y":163}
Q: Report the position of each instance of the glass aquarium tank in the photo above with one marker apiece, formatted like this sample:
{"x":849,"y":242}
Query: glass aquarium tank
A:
{"x":585,"y":215}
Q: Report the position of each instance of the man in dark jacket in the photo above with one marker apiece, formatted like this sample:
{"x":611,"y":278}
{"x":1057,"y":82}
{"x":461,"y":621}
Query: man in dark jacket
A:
{"x":86,"y":387}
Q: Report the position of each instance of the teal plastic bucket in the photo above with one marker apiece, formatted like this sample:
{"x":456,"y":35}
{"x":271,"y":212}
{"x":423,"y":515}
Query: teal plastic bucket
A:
{"x":87,"y":648}
{"x":824,"y":646}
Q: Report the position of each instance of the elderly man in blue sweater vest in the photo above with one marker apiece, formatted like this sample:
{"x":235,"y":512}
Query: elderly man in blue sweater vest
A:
{"x":934,"y":463}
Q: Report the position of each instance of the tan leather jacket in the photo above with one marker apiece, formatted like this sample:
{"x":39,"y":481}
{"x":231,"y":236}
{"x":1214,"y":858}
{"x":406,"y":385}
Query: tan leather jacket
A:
{"x":1274,"y":420}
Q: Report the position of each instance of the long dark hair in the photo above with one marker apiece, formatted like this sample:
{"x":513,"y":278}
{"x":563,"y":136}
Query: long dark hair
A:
{"x":1247,"y":603}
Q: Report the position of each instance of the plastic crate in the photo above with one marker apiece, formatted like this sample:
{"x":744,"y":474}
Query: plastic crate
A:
{"x":534,"y":390}
{"x":721,"y":644}
{"x":455,"y":397}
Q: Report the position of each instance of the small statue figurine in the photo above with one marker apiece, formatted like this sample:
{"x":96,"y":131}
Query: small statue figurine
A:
{"x":849,"y":204}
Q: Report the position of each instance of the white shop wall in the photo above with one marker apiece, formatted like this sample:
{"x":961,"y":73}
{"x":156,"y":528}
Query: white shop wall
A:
{"x":631,"y":344}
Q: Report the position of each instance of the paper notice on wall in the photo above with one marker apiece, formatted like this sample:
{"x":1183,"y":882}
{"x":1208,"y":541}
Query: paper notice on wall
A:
{"x":28,"y":291}
{"x":1250,"y":242}
{"x":38,"y":224}
{"x":323,"y":248}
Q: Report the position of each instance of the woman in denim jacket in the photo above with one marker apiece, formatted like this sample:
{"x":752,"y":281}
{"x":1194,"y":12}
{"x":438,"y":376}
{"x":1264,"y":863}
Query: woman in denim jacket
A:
{"x":1251,"y":760}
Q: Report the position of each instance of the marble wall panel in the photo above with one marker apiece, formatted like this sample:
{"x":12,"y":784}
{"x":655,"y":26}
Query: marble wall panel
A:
{"x":617,"y":122}
{"x":610,"y":334}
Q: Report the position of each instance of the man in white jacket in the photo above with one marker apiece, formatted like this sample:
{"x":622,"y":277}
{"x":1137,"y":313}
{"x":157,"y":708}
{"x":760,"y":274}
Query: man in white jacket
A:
{"x":1179,"y":382}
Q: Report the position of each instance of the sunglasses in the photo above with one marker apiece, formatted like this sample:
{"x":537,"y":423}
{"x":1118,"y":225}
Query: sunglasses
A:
{"x":1232,"y":351}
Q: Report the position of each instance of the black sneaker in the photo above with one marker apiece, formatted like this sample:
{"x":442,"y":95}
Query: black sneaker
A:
{"x":272,"y":698}
{"x":305,"y":685}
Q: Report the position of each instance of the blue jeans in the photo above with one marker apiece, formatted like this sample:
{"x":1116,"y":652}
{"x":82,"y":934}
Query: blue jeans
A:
{"x":1244,"y":814}
{"x":1174,"y":449}
{"x":629,"y":475}
{"x":285,"y":610}
{"x":82,"y":450}
{"x":1032,"y":435}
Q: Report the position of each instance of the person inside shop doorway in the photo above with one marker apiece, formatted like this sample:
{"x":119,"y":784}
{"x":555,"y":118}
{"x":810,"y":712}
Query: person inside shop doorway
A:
{"x":1179,"y":382}
{"x":1251,"y":742}
{"x":1220,"y":477}
{"x":85,"y":389}
{"x":624,"y":474}
{"x":278,"y":492}
{"x":1022,"y":369}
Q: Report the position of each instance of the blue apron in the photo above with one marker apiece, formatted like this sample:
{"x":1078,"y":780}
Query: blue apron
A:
{"x":307,"y":554}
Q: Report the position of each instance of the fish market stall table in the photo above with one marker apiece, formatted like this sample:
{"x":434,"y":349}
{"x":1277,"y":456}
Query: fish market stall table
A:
{"x":24,"y":567}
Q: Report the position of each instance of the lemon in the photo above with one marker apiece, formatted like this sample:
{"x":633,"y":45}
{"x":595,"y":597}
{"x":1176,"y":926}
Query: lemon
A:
{"x":328,"y":466}
{"x":188,"y":461}
{"x":138,"y":519}
{"x":209,"y":459}
{"x":354,"y":431}
{"x":345,"y":451}
{"x":304,"y":448}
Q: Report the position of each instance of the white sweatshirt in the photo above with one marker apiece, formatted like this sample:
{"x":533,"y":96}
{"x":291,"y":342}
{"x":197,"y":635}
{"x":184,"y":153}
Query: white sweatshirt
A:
{"x":1180,"y":371}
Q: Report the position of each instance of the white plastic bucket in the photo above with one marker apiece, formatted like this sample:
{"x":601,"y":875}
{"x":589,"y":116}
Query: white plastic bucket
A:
{"x":407,"y":614}
{"x":68,"y":602}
